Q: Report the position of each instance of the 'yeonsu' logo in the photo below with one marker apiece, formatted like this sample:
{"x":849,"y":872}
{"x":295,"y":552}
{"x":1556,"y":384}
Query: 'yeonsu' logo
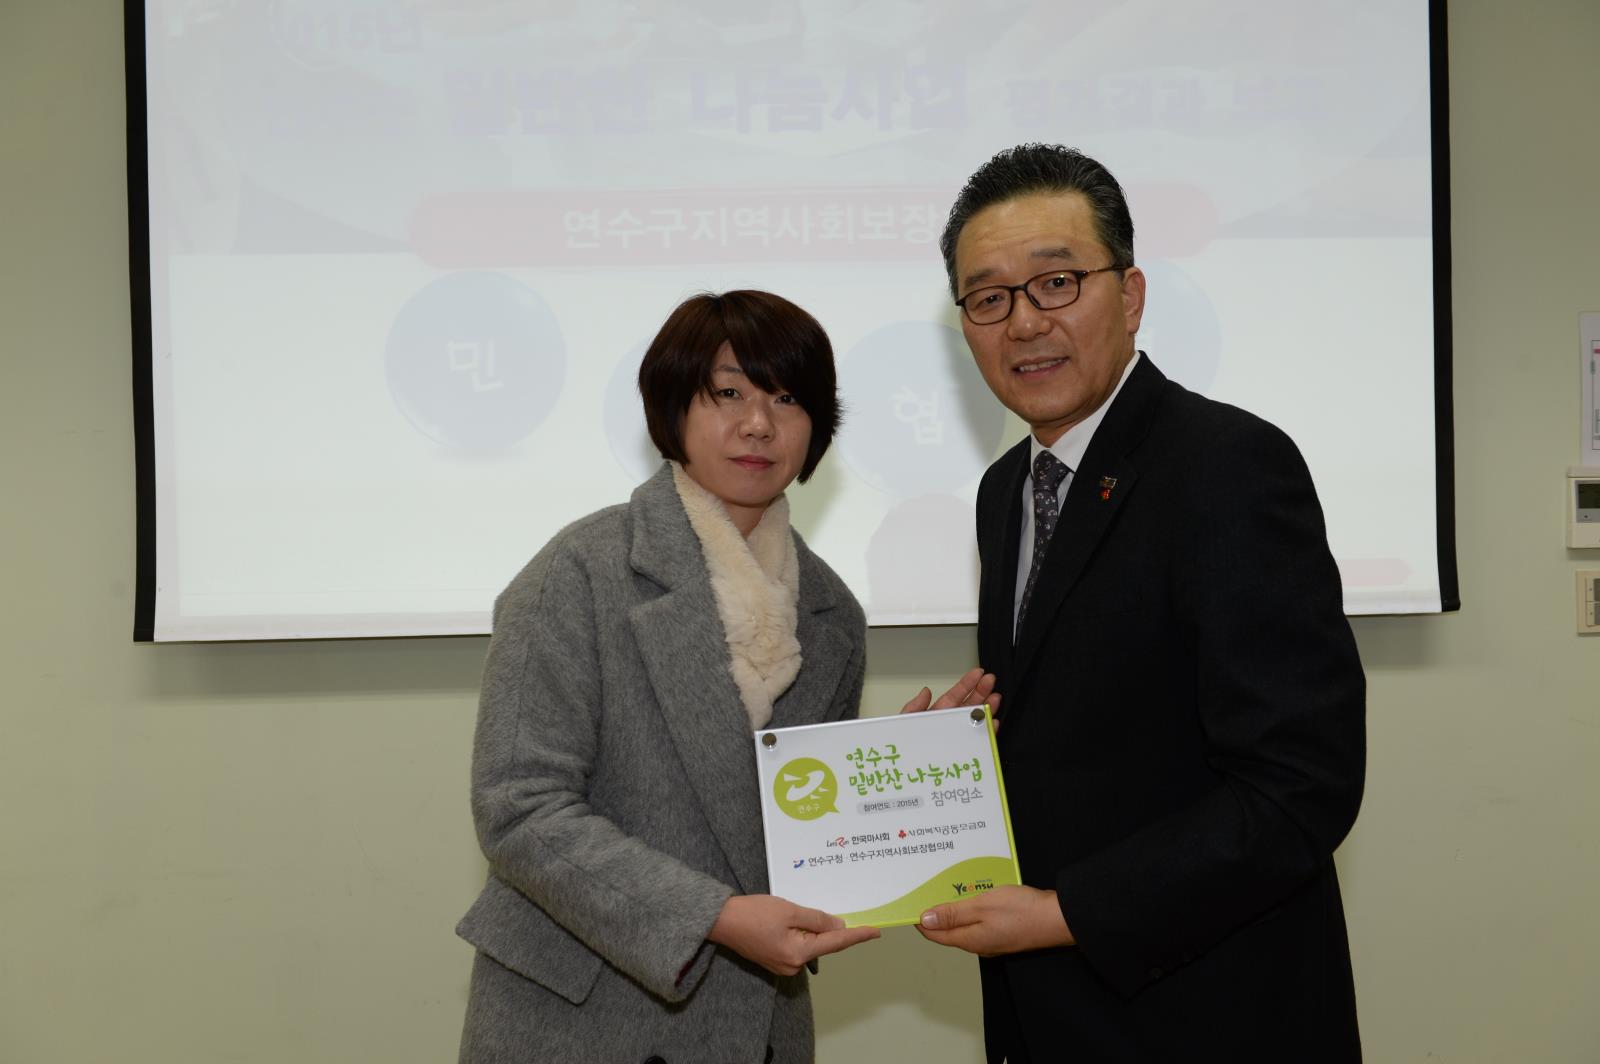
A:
{"x":805,"y":789}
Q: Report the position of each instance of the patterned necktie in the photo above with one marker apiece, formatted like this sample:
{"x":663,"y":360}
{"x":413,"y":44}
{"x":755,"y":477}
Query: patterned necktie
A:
{"x":1048,"y":473}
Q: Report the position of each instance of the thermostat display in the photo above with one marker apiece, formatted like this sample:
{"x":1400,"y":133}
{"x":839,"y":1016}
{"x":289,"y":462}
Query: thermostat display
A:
{"x":1588,"y":503}
{"x":1583,"y":507}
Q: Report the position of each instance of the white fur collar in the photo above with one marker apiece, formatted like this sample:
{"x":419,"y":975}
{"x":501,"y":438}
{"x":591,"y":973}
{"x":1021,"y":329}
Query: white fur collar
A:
{"x":756,"y":582}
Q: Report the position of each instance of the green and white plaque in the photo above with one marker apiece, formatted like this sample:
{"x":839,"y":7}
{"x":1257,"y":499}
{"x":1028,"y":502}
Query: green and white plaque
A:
{"x":877,"y":819}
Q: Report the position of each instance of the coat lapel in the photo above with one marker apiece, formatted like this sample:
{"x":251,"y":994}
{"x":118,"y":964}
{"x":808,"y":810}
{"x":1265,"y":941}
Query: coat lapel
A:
{"x":681,"y":641}
{"x":1099,"y":489}
{"x":825,"y":652}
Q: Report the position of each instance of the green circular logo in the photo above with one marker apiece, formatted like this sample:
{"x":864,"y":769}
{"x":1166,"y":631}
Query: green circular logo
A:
{"x":805,"y":789}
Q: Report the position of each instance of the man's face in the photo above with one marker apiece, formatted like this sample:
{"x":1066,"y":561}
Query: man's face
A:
{"x":1052,"y":368}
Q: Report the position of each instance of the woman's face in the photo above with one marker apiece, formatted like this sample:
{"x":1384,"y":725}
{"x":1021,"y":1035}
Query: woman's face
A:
{"x":744,"y":445}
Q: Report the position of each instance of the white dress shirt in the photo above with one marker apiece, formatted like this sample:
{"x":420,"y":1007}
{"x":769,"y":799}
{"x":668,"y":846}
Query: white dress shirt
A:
{"x":1070,"y":449}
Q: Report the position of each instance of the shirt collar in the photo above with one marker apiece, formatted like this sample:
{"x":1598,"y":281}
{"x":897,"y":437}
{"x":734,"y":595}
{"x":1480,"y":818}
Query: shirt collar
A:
{"x":1074,"y":443}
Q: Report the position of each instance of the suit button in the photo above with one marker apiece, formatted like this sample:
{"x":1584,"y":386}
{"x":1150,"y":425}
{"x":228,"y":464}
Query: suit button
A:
{"x":1157,"y":973}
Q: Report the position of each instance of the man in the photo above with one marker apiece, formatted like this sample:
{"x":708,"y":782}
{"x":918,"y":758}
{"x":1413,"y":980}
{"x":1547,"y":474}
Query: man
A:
{"x":1183,"y":735}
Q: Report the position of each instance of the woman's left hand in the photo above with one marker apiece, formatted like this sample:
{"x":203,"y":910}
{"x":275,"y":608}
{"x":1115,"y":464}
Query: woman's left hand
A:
{"x":974,"y":688}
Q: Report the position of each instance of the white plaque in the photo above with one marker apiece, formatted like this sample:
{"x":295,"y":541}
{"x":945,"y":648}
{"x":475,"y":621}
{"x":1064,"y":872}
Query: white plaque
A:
{"x":877,"y":819}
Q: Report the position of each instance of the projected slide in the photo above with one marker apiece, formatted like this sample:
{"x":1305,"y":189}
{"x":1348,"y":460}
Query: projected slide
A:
{"x":405,"y":256}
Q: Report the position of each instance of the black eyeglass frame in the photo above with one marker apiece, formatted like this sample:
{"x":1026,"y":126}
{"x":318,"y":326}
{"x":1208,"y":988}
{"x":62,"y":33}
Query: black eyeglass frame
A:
{"x":1012,"y":289}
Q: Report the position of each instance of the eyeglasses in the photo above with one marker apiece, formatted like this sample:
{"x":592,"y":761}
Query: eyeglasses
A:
{"x":1048,"y":291}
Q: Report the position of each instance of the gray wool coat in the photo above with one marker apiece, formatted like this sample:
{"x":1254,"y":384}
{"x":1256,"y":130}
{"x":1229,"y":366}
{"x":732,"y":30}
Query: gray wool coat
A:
{"x":614,"y":793}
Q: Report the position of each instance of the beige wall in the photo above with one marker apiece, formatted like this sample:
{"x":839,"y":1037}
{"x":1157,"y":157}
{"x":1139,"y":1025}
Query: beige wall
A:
{"x":255,"y":853}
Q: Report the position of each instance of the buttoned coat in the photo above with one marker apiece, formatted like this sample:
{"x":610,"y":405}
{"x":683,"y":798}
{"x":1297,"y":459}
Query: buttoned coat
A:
{"x":1183,"y":741}
{"x":615,"y":796}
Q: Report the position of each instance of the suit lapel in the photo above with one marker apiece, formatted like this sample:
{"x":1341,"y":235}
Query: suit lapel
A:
{"x":997,"y":593}
{"x":1085,"y":518}
{"x":685,"y":653}
{"x":1100,"y":487}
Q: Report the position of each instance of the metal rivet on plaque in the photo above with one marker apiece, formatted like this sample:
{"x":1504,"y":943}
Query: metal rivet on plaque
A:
{"x":977,"y":715}
{"x":769,"y":740}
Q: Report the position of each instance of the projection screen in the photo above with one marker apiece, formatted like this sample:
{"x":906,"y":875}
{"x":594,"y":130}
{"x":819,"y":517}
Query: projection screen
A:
{"x":395,"y":262}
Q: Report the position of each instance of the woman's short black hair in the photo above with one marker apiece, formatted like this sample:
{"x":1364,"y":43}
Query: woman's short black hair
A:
{"x":780,"y":347}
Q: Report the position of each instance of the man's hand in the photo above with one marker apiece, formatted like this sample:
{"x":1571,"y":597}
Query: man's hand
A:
{"x":1003,"y":920}
{"x":780,"y":935}
{"x":974,"y":688}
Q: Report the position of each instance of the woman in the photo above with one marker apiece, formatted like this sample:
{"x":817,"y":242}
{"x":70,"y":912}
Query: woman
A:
{"x":613,"y":780}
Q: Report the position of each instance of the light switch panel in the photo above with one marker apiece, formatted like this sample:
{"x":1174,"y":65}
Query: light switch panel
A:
{"x":1589,"y":601}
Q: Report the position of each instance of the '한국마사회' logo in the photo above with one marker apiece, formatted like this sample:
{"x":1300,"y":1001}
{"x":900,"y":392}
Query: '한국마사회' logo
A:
{"x":805,"y":789}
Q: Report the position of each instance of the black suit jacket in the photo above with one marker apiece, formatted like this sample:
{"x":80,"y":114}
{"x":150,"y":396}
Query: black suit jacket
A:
{"x":1183,"y":741}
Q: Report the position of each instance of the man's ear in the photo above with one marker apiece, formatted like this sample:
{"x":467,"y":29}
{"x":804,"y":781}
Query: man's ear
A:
{"x":1133,"y":297}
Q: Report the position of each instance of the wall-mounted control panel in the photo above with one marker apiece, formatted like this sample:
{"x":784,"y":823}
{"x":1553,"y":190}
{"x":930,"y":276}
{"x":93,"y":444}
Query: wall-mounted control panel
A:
{"x":1583,"y":507}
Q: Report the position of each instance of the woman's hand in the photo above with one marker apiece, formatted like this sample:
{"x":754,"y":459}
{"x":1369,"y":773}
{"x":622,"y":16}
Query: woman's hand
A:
{"x":780,"y":935}
{"x":974,"y":688}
